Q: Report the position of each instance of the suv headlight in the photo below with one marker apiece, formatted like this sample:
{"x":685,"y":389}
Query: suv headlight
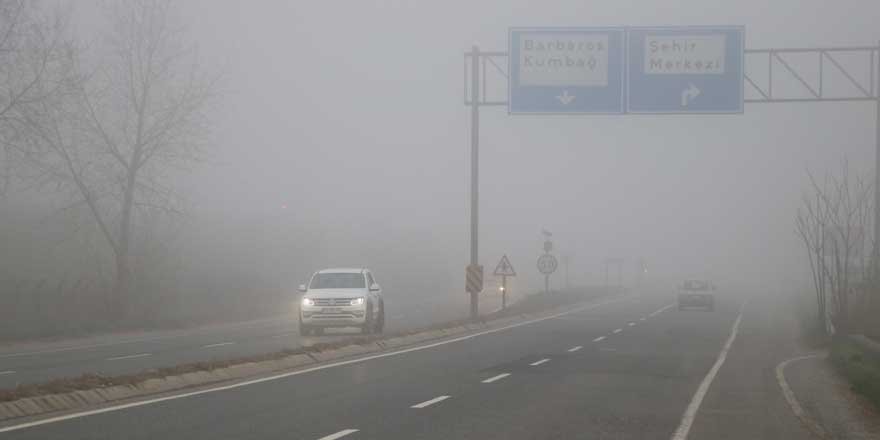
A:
{"x":357,"y":302}
{"x":308,"y":302}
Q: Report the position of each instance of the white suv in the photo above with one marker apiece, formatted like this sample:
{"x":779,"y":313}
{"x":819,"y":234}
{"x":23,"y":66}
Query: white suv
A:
{"x":341,"y":298}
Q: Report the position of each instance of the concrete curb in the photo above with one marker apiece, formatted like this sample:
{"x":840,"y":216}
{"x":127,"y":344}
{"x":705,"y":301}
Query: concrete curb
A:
{"x":84,"y":399}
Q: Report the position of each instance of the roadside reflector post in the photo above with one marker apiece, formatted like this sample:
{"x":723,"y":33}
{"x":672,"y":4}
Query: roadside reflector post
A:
{"x":503,"y":292}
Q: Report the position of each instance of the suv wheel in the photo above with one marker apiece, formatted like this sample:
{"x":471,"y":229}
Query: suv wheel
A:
{"x":369,"y":324}
{"x":380,"y":323}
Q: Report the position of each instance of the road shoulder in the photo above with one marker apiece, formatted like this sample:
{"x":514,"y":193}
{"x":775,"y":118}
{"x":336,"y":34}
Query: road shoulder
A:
{"x":828,"y":401}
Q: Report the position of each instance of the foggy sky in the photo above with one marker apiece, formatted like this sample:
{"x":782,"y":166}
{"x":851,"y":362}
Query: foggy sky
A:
{"x":350,"y":114}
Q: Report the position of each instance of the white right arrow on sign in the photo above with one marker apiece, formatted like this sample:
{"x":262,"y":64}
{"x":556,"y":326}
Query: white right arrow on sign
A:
{"x":688,"y":94}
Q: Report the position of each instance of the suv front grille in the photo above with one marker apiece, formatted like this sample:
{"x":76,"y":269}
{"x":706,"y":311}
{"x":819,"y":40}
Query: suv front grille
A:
{"x":331,"y":302}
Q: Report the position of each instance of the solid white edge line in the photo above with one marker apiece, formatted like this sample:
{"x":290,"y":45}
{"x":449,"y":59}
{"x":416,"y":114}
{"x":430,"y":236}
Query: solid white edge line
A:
{"x":339,"y":434}
{"x":498,"y":377}
{"x":132,"y":356}
{"x":657,"y":312}
{"x":6,"y":372}
{"x":599,"y":339}
{"x":429,"y":402}
{"x":219,"y":344}
{"x":796,"y":407}
{"x":691,"y":412}
{"x":542,"y":361}
{"x":298,"y":372}
{"x":617,"y":331}
{"x":575,"y":348}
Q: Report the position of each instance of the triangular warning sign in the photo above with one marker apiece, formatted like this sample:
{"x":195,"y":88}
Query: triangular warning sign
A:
{"x":504,"y":268}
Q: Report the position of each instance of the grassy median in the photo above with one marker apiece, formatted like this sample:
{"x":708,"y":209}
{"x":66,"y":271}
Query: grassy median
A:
{"x":860,"y":367}
{"x":531,"y":304}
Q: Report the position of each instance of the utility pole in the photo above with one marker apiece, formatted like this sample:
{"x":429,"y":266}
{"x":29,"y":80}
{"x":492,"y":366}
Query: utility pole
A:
{"x":475,"y":170}
{"x":565,"y":260}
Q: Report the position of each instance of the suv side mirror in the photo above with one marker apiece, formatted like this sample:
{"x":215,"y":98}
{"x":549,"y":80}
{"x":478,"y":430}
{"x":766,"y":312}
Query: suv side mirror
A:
{"x":375,"y":287}
{"x":302,"y":288}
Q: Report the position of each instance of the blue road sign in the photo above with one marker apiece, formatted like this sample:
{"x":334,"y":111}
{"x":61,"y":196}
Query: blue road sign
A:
{"x":685,"y":69}
{"x":566,"y":70}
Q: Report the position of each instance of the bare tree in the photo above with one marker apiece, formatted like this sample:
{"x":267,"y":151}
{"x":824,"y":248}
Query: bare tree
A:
{"x":810,"y":224}
{"x":34,"y":54}
{"x":112,"y":142}
{"x":833,"y":223}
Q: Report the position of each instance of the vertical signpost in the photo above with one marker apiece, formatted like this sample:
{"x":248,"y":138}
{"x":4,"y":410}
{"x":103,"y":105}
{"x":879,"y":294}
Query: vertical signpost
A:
{"x":547,"y":263}
{"x":504,"y":269}
{"x":474,"y":285}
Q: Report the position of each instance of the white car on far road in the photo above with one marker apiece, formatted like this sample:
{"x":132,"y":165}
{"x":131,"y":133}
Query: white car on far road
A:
{"x":341,"y":298}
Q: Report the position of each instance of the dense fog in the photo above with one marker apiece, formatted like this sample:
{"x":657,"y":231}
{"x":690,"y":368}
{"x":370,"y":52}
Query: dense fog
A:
{"x":337,"y":136}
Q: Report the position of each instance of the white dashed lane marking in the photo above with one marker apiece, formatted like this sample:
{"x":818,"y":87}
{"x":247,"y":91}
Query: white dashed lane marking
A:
{"x":2,"y":373}
{"x":498,"y":377}
{"x":429,"y":402}
{"x":339,"y":434}
{"x":599,"y":339}
{"x":617,"y":331}
{"x":574,"y":349}
{"x":542,"y":361}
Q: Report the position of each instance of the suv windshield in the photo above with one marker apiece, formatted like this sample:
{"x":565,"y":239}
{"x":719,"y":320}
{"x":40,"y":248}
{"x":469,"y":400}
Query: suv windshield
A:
{"x":696,"y":285}
{"x":338,"y":281}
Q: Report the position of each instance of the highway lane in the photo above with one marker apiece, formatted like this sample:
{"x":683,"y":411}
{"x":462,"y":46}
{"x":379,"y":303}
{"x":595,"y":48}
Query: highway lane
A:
{"x":524,"y":382}
{"x":135,"y":352}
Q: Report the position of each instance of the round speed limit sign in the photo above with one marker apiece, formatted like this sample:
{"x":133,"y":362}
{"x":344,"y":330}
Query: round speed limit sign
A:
{"x":547,"y":264}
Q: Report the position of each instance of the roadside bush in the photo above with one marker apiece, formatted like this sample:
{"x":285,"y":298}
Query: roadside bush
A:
{"x":860,"y":368}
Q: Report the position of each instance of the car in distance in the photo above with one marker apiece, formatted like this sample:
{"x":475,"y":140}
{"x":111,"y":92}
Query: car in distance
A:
{"x":696,"y":293}
{"x":341,"y":298}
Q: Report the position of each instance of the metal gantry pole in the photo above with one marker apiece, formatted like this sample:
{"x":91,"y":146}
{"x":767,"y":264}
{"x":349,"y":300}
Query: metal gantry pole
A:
{"x":475,"y":169}
{"x":876,"y":91}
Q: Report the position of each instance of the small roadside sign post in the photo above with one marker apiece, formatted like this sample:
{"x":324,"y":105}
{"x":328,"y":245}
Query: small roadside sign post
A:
{"x":504,"y":269}
{"x":547,"y":264}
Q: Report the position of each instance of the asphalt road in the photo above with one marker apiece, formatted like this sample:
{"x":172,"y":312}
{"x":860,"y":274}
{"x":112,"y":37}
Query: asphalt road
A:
{"x":629,"y":369}
{"x":134,"y":352}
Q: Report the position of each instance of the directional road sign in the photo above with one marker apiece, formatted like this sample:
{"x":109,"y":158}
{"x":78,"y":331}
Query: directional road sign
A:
{"x":547,"y":264}
{"x":696,"y":69}
{"x":504,"y":268}
{"x":566,"y":70}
